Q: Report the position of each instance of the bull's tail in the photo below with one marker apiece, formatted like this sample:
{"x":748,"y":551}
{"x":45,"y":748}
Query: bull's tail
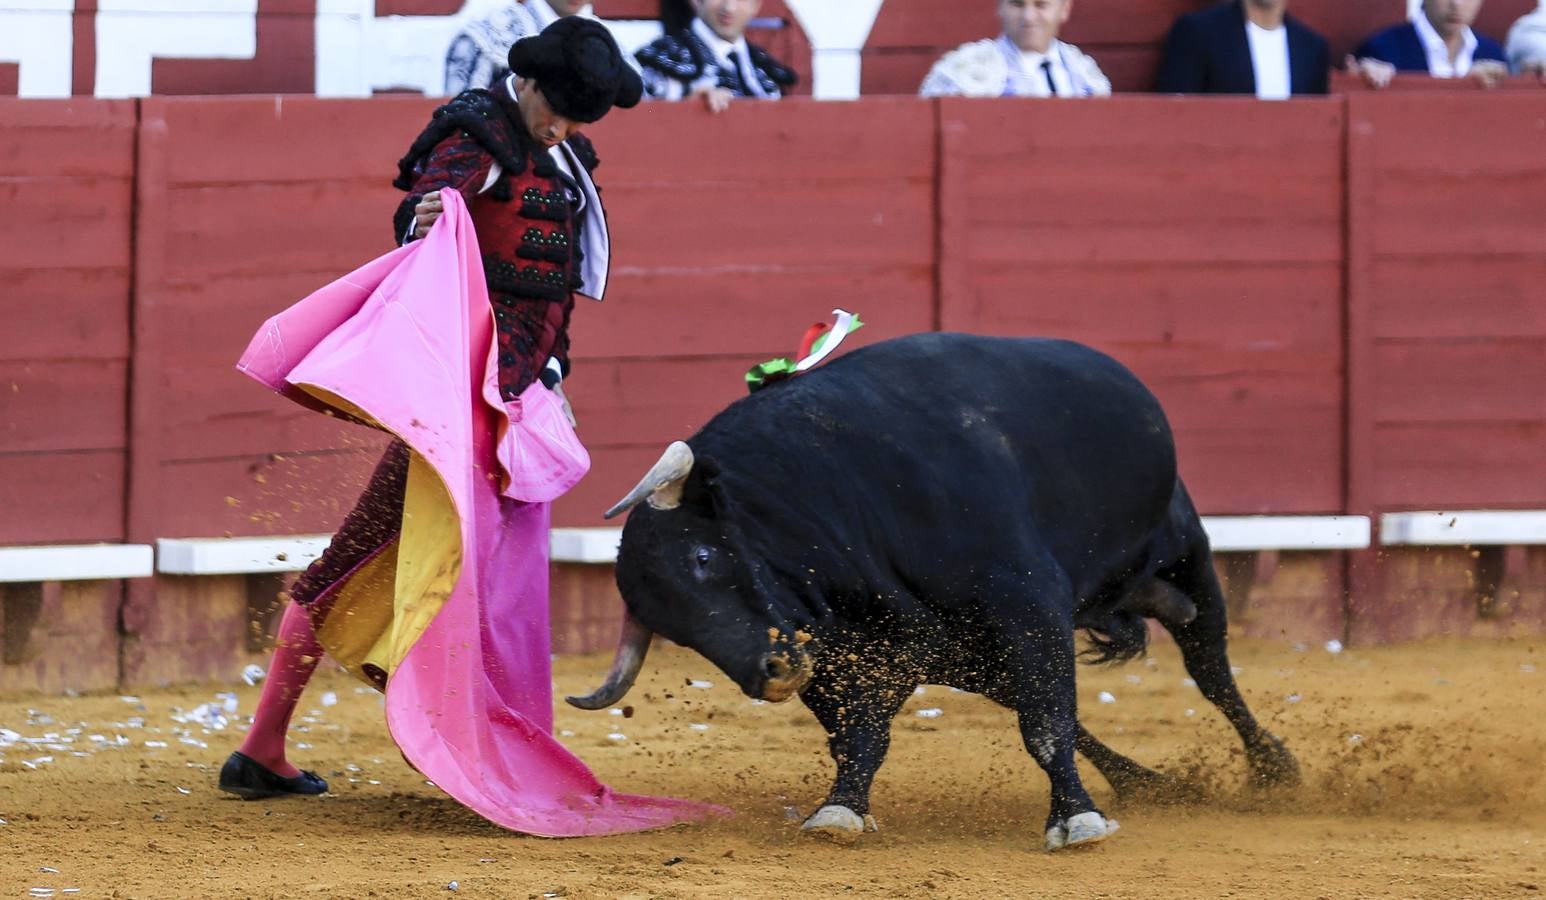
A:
{"x":1121,"y":637}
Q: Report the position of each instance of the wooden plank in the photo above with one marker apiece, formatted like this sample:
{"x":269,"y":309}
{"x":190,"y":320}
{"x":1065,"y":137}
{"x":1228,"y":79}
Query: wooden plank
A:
{"x":795,"y":140}
{"x":836,"y":224}
{"x":751,"y":312}
{"x":67,"y":497}
{"x":62,"y":405}
{"x":1483,"y":214}
{"x":363,"y":139}
{"x":1450,"y":381}
{"x":1267,"y":306}
{"x":76,"y":138}
{"x":67,"y":221}
{"x":1501,"y":135}
{"x":216,"y":413}
{"x":1156,"y":134}
{"x":65,"y":313}
{"x":1459,"y":297}
{"x":1463,"y":465}
{"x":265,"y":494}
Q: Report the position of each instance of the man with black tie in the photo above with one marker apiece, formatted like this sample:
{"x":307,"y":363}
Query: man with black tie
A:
{"x":1027,"y":60}
{"x":1245,"y":47}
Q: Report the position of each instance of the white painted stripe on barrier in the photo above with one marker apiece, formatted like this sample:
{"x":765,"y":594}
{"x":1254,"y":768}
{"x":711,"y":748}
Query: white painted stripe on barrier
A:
{"x":75,"y":562}
{"x":1475,"y":526}
{"x":596,"y":546}
{"x":585,"y":545}
{"x":1241,"y":533}
{"x":238,"y":556}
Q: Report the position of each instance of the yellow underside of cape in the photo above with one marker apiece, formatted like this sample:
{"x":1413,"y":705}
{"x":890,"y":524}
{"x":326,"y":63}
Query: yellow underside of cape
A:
{"x":382,"y":610}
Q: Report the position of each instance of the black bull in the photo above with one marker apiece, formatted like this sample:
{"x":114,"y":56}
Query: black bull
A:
{"x":943,"y":509}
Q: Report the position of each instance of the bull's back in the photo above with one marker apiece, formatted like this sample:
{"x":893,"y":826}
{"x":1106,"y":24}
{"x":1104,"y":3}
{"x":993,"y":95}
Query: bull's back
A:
{"x":1045,"y":435}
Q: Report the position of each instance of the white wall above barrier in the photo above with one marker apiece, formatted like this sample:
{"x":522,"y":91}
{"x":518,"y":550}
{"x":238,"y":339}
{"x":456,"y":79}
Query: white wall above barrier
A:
{"x":133,"y":33}
{"x":38,"y":36}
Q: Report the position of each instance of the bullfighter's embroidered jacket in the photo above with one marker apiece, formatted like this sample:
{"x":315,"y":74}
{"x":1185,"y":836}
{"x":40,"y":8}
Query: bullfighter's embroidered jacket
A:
{"x":535,"y":222}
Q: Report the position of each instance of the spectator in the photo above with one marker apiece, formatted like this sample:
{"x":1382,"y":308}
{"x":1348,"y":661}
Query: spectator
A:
{"x":1527,"y":44}
{"x":1438,"y":40}
{"x":712,"y":59}
{"x":479,"y":53}
{"x":1027,"y":60}
{"x":1245,"y":47}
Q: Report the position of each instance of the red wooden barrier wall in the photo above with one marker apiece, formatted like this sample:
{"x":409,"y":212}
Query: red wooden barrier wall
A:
{"x":66,"y":184}
{"x":246,"y":205}
{"x":1449,"y":318}
{"x":1208,"y":258}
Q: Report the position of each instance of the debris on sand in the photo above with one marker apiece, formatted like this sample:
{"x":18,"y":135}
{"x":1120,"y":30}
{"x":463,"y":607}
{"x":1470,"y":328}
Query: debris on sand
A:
{"x":1107,"y":697}
{"x":932,"y":712}
{"x":253,"y":674}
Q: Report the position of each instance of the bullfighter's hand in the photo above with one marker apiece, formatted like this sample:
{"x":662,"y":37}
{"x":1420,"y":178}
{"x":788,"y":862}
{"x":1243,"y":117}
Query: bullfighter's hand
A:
{"x":1375,"y":73}
{"x":1489,"y":72}
{"x":717,"y":99}
{"x":425,"y":213}
{"x":568,"y":410}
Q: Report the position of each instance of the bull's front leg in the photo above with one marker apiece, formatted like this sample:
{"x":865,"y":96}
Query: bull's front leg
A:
{"x":1036,"y":638}
{"x":856,"y":710}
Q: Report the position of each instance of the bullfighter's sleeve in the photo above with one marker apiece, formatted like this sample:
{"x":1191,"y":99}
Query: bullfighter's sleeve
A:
{"x":457,"y":162}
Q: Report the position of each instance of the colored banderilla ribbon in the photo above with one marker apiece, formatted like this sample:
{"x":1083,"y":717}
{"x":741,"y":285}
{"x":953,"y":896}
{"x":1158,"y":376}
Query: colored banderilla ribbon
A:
{"x":819,"y":342}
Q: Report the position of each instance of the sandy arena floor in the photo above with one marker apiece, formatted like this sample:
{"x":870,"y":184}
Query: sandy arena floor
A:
{"x":1425,"y":765}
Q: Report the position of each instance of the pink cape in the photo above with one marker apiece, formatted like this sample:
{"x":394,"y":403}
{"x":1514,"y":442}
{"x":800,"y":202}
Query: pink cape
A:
{"x":406,"y":342}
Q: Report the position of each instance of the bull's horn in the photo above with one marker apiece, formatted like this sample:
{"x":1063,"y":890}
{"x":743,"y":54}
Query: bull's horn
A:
{"x":632,"y":647}
{"x":662,"y":485}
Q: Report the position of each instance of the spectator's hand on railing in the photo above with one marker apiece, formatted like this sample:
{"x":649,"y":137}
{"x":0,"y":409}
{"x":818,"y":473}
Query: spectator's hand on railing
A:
{"x":1489,"y":72}
{"x":717,"y":99}
{"x":425,"y":214}
{"x":1375,"y":73}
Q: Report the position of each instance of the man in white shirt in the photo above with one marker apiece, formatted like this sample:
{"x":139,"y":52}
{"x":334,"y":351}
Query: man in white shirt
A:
{"x":1244,"y":47}
{"x":712,"y":59}
{"x":1526,"y":45}
{"x":478,"y":55}
{"x":1439,"y":41}
{"x":1027,"y":60}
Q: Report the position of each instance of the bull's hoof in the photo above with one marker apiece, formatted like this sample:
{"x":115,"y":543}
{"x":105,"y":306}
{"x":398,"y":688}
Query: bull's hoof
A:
{"x":838,"y":823}
{"x":1083,"y":830}
{"x":1272,"y":766}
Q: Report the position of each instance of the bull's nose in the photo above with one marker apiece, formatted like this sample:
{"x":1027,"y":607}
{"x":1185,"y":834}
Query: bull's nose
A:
{"x":784,"y":674}
{"x":777,"y":666}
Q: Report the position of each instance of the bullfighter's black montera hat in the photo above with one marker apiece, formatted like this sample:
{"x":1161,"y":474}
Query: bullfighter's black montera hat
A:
{"x":578,"y":67}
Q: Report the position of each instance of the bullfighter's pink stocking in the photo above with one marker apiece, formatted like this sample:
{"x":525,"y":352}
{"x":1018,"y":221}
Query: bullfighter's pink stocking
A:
{"x":295,"y":657}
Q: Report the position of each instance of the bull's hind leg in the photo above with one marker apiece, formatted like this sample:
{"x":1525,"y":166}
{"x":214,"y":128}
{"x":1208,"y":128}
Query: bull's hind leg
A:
{"x":1203,"y":643}
{"x":1133,"y":782}
{"x":856,"y":710}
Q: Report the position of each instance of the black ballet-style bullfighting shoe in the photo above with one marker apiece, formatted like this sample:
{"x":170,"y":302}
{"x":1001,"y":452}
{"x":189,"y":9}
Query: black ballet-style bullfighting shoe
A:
{"x":245,"y":778}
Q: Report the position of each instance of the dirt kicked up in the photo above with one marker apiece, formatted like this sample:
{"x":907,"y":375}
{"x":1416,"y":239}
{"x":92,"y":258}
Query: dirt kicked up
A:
{"x":1425,"y":776}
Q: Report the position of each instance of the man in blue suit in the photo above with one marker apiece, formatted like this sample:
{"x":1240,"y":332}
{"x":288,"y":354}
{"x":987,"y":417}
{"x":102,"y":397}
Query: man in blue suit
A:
{"x":1438,"y":41}
{"x":1244,"y":47}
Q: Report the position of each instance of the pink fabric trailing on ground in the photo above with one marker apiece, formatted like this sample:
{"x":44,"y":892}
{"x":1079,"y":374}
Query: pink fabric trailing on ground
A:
{"x":408,"y":339}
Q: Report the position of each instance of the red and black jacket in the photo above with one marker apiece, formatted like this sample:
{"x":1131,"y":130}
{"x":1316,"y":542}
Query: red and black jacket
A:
{"x":527,"y":222}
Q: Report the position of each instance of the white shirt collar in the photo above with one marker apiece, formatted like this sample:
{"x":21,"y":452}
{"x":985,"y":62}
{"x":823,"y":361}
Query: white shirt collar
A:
{"x":721,"y":47}
{"x":1439,"y":65}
